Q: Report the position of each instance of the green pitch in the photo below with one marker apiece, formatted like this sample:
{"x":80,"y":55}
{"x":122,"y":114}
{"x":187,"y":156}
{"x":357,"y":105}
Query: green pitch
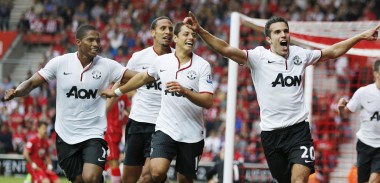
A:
{"x":20,"y":179}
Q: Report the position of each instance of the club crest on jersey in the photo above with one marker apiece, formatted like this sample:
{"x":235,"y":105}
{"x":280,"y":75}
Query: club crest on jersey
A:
{"x":191,"y":75}
{"x":297,"y":60}
{"x":96,"y":74}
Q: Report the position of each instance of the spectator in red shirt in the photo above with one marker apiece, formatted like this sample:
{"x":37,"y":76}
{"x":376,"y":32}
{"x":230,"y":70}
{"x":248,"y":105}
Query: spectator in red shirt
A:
{"x":117,"y":117}
{"x":36,"y":153}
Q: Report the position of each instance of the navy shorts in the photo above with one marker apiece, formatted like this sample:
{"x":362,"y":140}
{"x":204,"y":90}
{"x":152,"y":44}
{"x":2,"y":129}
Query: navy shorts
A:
{"x":71,"y":157}
{"x":368,"y":161}
{"x":187,"y":155}
{"x":137,"y":142}
{"x":288,"y":146}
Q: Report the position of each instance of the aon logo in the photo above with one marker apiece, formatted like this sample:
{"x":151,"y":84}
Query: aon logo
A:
{"x":175,"y":94}
{"x":287,"y":81}
{"x":81,"y":93}
{"x":375,"y":116}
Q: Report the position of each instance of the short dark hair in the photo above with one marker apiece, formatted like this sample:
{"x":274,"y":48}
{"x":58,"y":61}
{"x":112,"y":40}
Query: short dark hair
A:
{"x":177,"y":28}
{"x":41,"y":123}
{"x":153,"y":25}
{"x":271,"y":21}
{"x":376,"y":66}
{"x":81,"y":31}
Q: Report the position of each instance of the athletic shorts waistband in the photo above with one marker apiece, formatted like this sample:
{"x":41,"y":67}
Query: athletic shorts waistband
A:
{"x":290,"y":127}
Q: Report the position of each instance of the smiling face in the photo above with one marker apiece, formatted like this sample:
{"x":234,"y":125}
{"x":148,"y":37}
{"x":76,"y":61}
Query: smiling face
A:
{"x":162,"y":32}
{"x":42,"y":129}
{"x":184,"y":38}
{"x":89,"y":45}
{"x":279,"y":38}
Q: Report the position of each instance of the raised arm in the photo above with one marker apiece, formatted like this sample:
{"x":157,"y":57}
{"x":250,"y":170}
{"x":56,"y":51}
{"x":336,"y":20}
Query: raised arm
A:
{"x":215,"y":43}
{"x":25,"y":87}
{"x":204,"y":100}
{"x":135,"y":82}
{"x":338,"y":49}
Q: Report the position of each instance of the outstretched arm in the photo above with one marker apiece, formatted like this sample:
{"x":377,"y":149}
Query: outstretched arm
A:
{"x":111,"y":101}
{"x":25,"y":87}
{"x":215,"y":43}
{"x":128,"y":74}
{"x":338,"y":49}
{"x":204,"y":100}
{"x":135,"y":82}
{"x":342,"y":107}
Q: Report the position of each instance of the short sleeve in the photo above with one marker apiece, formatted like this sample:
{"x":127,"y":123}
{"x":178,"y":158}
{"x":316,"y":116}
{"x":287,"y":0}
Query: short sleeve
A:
{"x":49,"y":72}
{"x":354,"y":104}
{"x":253,"y":57}
{"x":205,"y":81}
{"x":312,"y":56}
{"x":29,"y":146}
{"x":116,"y":70}
{"x":131,"y":63}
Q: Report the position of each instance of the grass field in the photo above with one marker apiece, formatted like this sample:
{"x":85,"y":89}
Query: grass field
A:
{"x":20,"y":179}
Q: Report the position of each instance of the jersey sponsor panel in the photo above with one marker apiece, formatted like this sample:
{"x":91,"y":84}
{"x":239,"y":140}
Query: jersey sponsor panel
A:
{"x":274,"y":75}
{"x":187,"y":126}
{"x":80,"y":108}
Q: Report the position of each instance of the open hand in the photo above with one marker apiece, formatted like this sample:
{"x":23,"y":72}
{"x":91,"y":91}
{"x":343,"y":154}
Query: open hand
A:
{"x":192,"y":22}
{"x":174,"y":86}
{"x":10,"y":94}
{"x":342,"y":103}
{"x":371,"y":34}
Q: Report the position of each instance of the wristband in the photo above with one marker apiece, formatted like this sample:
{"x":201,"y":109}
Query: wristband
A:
{"x":34,"y":165}
{"x":118,"y":92}
{"x":50,"y":167}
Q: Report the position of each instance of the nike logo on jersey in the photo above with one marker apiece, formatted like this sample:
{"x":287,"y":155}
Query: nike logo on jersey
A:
{"x":161,"y":70}
{"x":307,"y":161}
{"x":66,"y":73}
{"x":100,"y":159}
{"x":144,"y":67}
{"x":269,"y":62}
{"x":369,"y":102}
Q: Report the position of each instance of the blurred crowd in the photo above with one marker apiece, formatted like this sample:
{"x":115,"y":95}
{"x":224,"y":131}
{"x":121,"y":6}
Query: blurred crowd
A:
{"x":125,"y":29}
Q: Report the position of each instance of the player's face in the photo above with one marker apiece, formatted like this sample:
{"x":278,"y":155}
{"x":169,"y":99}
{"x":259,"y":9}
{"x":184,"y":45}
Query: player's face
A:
{"x":89,"y":46}
{"x":376,"y":73}
{"x":185,"y":40}
{"x":163,"y":33}
{"x":279,"y":38}
{"x":42,"y":130}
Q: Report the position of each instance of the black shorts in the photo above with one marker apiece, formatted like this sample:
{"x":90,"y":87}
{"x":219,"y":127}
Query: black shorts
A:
{"x":368,"y":161}
{"x":187,"y":154}
{"x":288,"y":146}
{"x":72,"y":157}
{"x":137,"y":142}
